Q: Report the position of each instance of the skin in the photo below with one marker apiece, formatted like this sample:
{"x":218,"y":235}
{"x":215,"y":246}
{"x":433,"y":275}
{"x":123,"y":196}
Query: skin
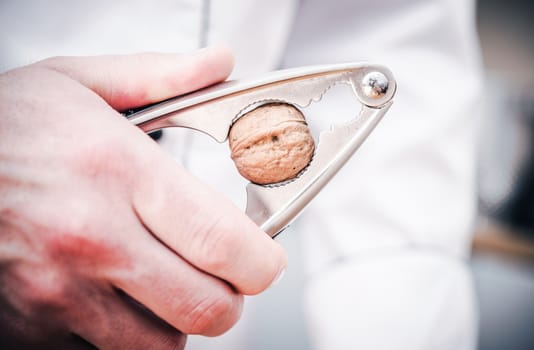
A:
{"x":104,"y":239}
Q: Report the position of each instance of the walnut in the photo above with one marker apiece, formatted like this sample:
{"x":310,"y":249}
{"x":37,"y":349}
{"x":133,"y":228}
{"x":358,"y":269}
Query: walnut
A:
{"x":271,"y":143}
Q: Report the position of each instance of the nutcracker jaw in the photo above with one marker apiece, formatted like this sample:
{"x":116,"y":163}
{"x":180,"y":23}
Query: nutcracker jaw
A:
{"x":214,"y":109}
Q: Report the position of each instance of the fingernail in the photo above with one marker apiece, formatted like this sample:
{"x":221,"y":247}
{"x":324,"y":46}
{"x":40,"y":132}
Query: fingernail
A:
{"x":278,"y":277}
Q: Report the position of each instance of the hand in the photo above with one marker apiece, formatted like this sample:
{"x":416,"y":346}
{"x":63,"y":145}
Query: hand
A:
{"x":103,"y":238}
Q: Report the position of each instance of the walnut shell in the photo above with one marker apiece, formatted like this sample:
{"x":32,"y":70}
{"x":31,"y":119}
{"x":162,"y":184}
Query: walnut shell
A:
{"x":271,"y":143}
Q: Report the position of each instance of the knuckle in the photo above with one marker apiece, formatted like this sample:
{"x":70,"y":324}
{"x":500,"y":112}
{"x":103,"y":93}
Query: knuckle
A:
{"x":102,"y":159}
{"x":46,"y":290}
{"x":248,"y":263}
{"x":67,"y":241}
{"x":218,"y":248}
{"x":69,"y":234}
{"x":76,"y":244}
{"x":214,"y":316}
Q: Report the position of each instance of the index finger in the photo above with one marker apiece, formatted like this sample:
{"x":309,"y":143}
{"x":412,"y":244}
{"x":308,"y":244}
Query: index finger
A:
{"x":129,"y":81}
{"x":205,"y":228}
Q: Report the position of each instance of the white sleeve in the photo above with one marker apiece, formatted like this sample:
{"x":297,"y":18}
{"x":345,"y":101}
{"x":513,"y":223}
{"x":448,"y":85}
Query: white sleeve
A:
{"x":413,"y":180}
{"x":387,"y":238}
{"x":257,"y":32}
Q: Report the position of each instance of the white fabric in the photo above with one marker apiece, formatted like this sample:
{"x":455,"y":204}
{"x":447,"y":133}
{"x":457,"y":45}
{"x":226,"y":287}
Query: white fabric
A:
{"x":386,"y":239}
{"x":393,"y":300}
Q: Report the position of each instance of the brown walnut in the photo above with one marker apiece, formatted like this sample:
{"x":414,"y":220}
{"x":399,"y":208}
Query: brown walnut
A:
{"x":271,"y":143}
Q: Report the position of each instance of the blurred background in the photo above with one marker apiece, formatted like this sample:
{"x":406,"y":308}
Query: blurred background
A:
{"x":503,"y":245}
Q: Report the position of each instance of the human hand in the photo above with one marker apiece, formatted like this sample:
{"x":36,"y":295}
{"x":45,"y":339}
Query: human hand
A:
{"x":95,"y":219}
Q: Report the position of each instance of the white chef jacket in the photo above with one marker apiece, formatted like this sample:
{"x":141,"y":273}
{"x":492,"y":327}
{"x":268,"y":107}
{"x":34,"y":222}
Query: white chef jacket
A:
{"x":387,"y":241}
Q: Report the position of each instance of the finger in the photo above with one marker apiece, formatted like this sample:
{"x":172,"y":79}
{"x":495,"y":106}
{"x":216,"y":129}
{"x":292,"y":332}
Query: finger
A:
{"x":109,"y":321}
{"x":205,"y":228}
{"x":186,"y":298}
{"x":129,"y":81}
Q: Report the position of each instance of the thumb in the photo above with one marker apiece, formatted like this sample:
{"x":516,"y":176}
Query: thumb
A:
{"x":129,"y":81}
